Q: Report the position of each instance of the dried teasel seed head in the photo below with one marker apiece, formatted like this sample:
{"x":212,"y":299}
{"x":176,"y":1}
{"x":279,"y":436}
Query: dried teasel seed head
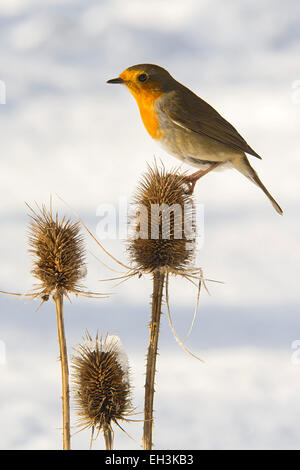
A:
{"x":163,"y":225}
{"x":102,"y":390}
{"x":58,"y":253}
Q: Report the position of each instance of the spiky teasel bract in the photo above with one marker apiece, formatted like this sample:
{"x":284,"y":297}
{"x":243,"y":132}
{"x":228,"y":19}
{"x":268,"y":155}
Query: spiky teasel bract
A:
{"x":164,"y":229}
{"x":102,"y":390}
{"x":58,"y":253}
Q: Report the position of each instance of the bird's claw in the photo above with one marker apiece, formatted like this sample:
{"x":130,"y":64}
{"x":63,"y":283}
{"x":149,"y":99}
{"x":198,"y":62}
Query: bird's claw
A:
{"x":190,"y":183}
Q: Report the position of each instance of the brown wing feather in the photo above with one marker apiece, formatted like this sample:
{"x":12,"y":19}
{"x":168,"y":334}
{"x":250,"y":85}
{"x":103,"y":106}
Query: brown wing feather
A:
{"x":191,"y":112}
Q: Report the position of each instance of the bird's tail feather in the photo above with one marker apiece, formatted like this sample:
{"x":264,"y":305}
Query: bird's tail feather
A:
{"x":246,"y":169}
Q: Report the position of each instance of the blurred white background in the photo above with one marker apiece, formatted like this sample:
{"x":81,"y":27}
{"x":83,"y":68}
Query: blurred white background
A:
{"x":65,"y":131}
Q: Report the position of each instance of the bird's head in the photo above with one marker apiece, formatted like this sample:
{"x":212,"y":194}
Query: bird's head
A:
{"x":144,"y":79}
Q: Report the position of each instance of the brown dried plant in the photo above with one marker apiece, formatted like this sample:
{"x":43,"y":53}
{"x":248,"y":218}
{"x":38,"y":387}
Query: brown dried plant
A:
{"x":102,"y":390}
{"x":160,"y":245}
{"x":160,"y":194}
{"x":58,"y":254}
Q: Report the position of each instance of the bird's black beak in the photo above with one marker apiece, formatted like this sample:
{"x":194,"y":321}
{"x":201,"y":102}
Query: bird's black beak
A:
{"x":116,"y":80}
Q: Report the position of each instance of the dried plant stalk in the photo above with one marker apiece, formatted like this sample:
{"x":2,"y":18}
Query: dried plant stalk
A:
{"x":108,"y":438}
{"x":157,"y":296}
{"x":59,"y":266}
{"x":58,"y":253}
{"x":163,"y":232}
{"x":58,"y":299}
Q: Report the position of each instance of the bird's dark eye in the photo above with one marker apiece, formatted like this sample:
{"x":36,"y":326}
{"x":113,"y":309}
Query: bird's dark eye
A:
{"x":143,"y":77}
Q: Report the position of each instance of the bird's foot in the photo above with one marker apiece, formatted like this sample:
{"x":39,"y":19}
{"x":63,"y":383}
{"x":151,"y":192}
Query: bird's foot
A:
{"x":190,"y":185}
{"x":192,"y":179}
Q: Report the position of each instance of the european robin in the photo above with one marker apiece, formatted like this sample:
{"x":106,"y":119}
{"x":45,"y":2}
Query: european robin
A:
{"x":187,"y":126}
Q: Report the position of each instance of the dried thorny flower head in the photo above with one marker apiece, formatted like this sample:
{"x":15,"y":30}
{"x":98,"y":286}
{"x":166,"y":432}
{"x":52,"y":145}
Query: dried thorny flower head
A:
{"x":102,"y":390}
{"x":164,"y":234}
{"x":164,"y":231}
{"x":58,"y":253}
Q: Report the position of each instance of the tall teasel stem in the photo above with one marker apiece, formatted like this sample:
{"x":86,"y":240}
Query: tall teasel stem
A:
{"x":58,"y":299}
{"x":157,"y":297}
{"x":163,"y":229}
{"x":108,"y":438}
{"x":58,"y":253}
{"x":59,"y":265}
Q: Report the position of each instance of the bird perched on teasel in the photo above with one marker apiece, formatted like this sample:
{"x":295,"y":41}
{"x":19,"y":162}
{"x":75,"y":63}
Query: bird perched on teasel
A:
{"x":187,"y":126}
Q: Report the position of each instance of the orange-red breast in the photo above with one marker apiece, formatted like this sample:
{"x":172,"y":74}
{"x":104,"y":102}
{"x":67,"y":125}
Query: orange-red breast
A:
{"x":187,"y":126}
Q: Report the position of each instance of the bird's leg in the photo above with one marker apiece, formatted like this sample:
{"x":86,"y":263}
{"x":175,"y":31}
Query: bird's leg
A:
{"x":194,"y":177}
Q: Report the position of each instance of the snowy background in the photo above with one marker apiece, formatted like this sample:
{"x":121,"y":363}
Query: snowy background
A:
{"x":65,"y":131}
